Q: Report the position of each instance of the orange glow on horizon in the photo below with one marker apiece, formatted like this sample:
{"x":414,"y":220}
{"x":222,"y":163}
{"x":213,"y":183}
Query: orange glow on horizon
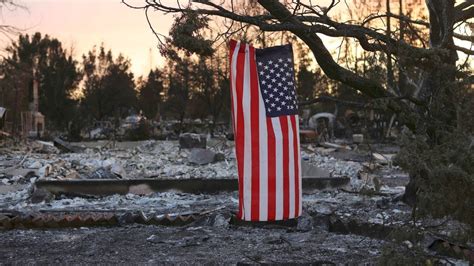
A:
{"x":81,"y":24}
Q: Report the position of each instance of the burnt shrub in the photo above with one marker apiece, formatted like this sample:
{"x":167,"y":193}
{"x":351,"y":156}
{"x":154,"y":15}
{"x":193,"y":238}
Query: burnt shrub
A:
{"x":443,"y":176}
{"x":439,"y":156}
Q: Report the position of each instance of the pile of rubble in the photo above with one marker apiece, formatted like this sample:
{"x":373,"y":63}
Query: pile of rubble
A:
{"x":149,"y":159}
{"x":193,"y":156}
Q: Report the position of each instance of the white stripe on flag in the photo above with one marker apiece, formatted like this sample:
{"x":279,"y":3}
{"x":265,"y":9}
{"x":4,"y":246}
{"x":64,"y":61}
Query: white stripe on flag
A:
{"x":297,"y":120}
{"x":248,"y":138}
{"x":279,"y":167}
{"x":234,"y":89}
{"x":291,"y":168}
{"x":263,"y":158}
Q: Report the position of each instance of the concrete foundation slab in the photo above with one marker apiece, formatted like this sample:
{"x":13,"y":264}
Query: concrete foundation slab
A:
{"x":103,"y":187}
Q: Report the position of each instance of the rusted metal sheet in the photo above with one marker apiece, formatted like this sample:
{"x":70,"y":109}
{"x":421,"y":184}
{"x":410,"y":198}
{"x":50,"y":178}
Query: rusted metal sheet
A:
{"x":81,"y":219}
{"x":308,"y":136}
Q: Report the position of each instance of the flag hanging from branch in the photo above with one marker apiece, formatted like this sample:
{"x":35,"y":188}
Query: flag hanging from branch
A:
{"x":266,"y":130}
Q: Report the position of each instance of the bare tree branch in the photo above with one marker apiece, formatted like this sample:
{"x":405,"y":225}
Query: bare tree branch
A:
{"x":464,"y":11}
{"x":403,"y":18}
{"x":321,"y":53}
{"x":464,"y":37}
{"x":464,"y":50}
{"x":331,"y":99}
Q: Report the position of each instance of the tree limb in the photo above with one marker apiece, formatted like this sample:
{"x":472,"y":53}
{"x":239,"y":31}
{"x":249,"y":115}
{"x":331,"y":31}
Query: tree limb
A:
{"x":464,"y":50}
{"x":464,"y":11}
{"x":321,"y":53}
{"x":331,"y":99}
{"x":464,"y":37}
{"x":404,"y":18}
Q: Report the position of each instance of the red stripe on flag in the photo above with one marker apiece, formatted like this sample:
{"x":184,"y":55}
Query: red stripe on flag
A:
{"x":271,"y":171}
{"x":297,"y":164}
{"x":254,"y":123}
{"x":240,"y":133}
{"x":286,"y":169}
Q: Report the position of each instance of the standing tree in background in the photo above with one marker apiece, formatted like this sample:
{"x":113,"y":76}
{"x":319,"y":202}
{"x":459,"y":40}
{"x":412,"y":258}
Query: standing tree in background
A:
{"x":198,"y":75}
{"x":432,"y":104}
{"x":211,"y":91}
{"x":56,"y":73}
{"x":109,"y":88}
{"x":309,"y":83}
{"x":181,"y":69}
{"x":180,"y":73}
{"x":150,"y":94}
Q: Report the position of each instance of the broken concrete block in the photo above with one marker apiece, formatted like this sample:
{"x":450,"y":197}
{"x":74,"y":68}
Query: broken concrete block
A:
{"x":383,"y":158}
{"x":44,"y":147}
{"x":311,"y":171}
{"x":72,"y":175}
{"x":40,"y":195}
{"x":190,"y":141}
{"x":325,"y":151}
{"x":64,"y":146}
{"x":201,"y":156}
{"x":102,"y":173}
{"x":220,"y":221}
{"x":310,"y":148}
{"x":357,"y":138}
{"x":118,"y":170}
{"x":45,"y":170}
{"x":305,"y":223}
{"x":35,"y":165}
{"x":16,"y":178}
{"x":334,"y":146}
{"x":370,"y":166}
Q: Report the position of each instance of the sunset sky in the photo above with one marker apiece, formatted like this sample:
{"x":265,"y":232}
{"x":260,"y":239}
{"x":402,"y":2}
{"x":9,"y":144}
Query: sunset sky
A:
{"x":84,"y":23}
{"x":81,"y":24}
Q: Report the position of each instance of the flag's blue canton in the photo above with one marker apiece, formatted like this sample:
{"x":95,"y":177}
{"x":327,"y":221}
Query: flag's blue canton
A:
{"x":277,"y":81}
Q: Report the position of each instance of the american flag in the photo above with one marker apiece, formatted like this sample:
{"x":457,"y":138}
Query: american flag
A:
{"x":265,"y":122}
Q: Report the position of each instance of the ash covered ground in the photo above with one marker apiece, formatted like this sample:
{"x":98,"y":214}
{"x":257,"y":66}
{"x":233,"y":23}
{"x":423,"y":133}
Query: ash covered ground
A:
{"x":359,"y":222}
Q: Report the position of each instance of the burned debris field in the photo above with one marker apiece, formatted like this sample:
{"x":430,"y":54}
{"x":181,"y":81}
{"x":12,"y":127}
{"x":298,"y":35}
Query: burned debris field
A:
{"x":237,"y":132}
{"x":52,"y":210}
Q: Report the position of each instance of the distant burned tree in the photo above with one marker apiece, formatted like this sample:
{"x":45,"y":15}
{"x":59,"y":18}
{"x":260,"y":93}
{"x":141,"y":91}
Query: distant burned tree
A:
{"x":429,"y":104}
{"x":109,"y":88}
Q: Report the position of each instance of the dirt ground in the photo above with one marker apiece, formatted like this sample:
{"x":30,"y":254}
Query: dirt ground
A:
{"x":140,"y":244}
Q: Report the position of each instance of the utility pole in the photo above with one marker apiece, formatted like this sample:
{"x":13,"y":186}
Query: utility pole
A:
{"x":150,"y":54}
{"x":390,"y":78}
{"x":401,"y":75}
